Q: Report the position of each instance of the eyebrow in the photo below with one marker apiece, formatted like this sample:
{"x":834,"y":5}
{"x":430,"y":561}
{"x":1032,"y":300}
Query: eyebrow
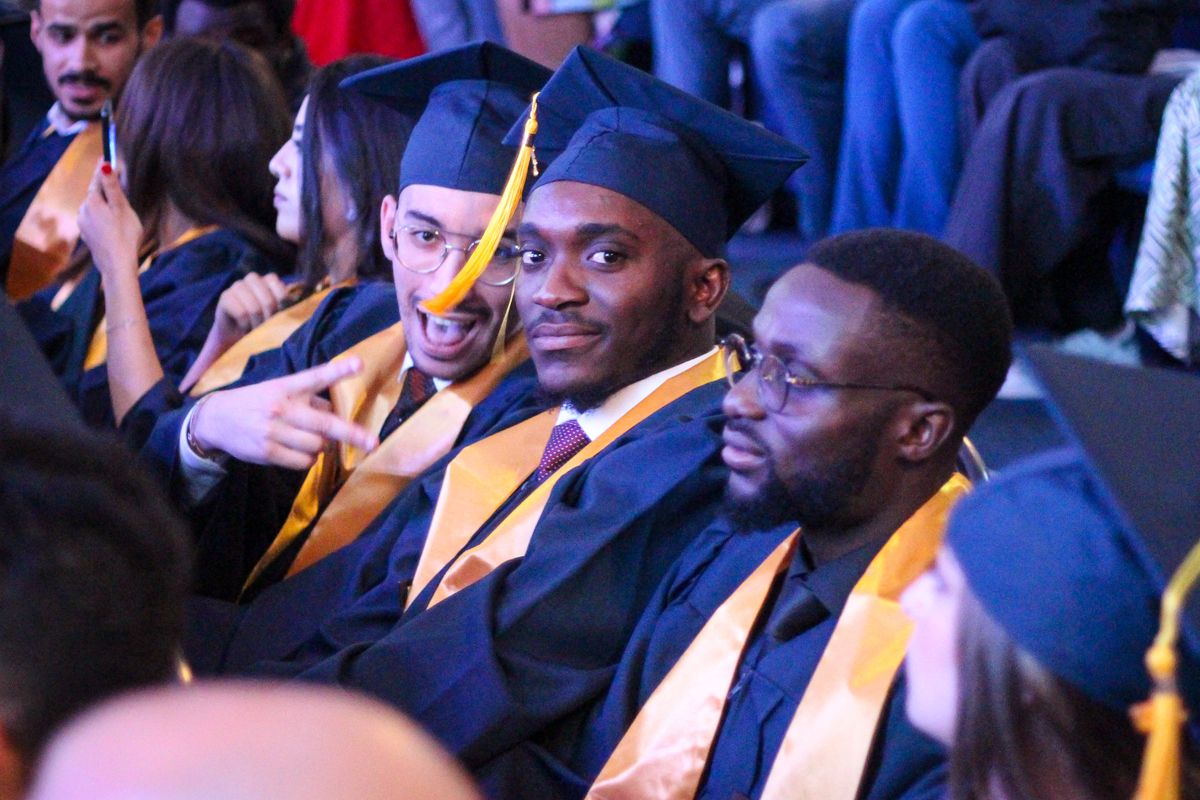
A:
{"x":428,"y":220}
{"x":105,"y":27}
{"x":595,"y":230}
{"x":435,"y":222}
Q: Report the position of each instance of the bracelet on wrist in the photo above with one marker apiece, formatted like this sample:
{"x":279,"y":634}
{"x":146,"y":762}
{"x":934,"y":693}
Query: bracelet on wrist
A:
{"x":190,"y":433}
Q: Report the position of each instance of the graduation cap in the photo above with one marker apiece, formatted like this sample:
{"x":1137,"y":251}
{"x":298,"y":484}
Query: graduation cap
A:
{"x":1084,"y":557}
{"x":467,"y":98}
{"x":696,"y":165}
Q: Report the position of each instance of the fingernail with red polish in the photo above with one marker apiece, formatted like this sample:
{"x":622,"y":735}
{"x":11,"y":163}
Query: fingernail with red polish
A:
{"x":106,"y":169}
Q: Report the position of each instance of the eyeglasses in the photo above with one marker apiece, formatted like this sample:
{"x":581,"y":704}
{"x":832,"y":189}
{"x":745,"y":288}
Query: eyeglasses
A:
{"x":775,"y":380}
{"x":423,"y":250}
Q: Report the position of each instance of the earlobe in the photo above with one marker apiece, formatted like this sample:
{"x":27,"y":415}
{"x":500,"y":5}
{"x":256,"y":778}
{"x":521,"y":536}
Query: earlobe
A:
{"x":708,"y":289}
{"x":152,"y":32}
{"x":35,"y":29}
{"x":927,"y":426}
{"x":387,"y":218}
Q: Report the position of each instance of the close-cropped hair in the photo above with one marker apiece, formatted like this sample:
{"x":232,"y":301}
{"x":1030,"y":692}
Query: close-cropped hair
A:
{"x":1022,"y":733}
{"x":278,"y":11}
{"x":198,"y":124}
{"x":949,"y":317}
{"x":93,"y":576}
{"x":144,"y":10}
{"x":362,"y":140}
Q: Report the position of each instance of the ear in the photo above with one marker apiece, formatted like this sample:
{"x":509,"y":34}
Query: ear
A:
{"x":35,"y":28}
{"x":922,"y":429}
{"x":152,"y":32}
{"x":708,"y":281}
{"x":387,"y":218}
{"x":14,"y":772}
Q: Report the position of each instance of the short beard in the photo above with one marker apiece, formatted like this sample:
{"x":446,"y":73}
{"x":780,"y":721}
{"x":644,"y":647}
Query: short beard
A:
{"x":814,"y":500}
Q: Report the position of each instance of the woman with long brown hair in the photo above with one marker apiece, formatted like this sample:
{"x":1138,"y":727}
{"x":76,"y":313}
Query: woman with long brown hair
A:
{"x":196,"y":128}
{"x":1030,"y":654}
{"x":330,"y":177}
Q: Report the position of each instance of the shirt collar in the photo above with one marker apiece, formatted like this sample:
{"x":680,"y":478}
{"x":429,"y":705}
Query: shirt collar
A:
{"x":61,"y":124}
{"x":832,"y":582}
{"x":596,"y":421}
{"x":438,"y":383}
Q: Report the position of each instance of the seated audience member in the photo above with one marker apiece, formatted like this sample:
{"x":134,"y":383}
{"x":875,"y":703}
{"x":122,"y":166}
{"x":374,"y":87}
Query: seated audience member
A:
{"x":327,"y":184}
{"x":261,"y":25}
{"x":251,"y":740}
{"x":197,"y":127}
{"x":798,"y":52}
{"x":1039,"y":637}
{"x":872,"y":360}
{"x":93,"y":571}
{"x":900,"y":151}
{"x":1164,"y":293}
{"x":495,"y":595}
{"x":1054,"y":106}
{"x":88,"y":49}
{"x":257,"y":465}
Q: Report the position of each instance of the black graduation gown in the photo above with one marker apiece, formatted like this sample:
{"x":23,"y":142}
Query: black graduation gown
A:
{"x":20,"y":179}
{"x":534,"y":641}
{"x":180,"y":292}
{"x":769,"y":686}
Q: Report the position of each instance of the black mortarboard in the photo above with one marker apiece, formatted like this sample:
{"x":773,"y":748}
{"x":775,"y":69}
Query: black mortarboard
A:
{"x":1071,"y":552}
{"x":468,"y":98}
{"x":699,"y":167}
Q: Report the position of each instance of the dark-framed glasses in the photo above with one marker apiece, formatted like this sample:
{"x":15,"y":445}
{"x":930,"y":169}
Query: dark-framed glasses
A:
{"x":775,"y":380}
{"x":423,"y":249}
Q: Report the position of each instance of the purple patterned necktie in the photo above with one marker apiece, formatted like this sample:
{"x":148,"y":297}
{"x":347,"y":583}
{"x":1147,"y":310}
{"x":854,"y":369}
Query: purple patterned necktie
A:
{"x":566,"y":440}
{"x":418,"y":387}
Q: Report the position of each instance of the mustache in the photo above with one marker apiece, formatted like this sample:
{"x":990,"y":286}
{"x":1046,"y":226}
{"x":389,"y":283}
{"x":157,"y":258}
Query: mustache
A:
{"x":87,"y":78}
{"x":743,"y":427}
{"x":552,"y":317}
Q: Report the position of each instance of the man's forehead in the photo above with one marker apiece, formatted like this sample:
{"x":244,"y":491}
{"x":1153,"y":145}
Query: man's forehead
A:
{"x":569,"y":205}
{"x":812,"y":310}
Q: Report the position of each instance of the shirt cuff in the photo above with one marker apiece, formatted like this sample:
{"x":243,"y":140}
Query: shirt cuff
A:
{"x":199,"y":476}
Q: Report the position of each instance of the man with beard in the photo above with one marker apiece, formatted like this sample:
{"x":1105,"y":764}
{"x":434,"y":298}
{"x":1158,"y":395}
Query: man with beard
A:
{"x":497,"y":593}
{"x":767,"y":662}
{"x":88,"y":50}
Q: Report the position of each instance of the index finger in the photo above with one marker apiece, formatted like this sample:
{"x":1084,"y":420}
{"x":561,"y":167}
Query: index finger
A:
{"x":315,"y":379}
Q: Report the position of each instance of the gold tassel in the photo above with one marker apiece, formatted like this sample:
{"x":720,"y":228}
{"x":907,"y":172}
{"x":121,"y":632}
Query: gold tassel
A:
{"x":454,"y":293}
{"x":1162,"y":716}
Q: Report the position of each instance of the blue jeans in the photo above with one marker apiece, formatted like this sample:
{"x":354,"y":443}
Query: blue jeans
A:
{"x":798,"y":53}
{"x":900,"y":145}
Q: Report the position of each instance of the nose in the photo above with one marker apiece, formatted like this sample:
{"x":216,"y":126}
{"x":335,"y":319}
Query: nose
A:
{"x":558,"y":286}
{"x":81,"y":54}
{"x":742,"y":399}
{"x":440,"y":278}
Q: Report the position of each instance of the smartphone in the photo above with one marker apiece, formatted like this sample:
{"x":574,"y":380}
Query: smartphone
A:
{"x":108,"y":134}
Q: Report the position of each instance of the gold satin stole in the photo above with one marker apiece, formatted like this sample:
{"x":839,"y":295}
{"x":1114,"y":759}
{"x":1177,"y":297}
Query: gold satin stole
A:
{"x":664,"y":752}
{"x":484,"y":475}
{"x":97,"y":352}
{"x":49,"y":230}
{"x":346,"y":489}
{"x":272,"y":333}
